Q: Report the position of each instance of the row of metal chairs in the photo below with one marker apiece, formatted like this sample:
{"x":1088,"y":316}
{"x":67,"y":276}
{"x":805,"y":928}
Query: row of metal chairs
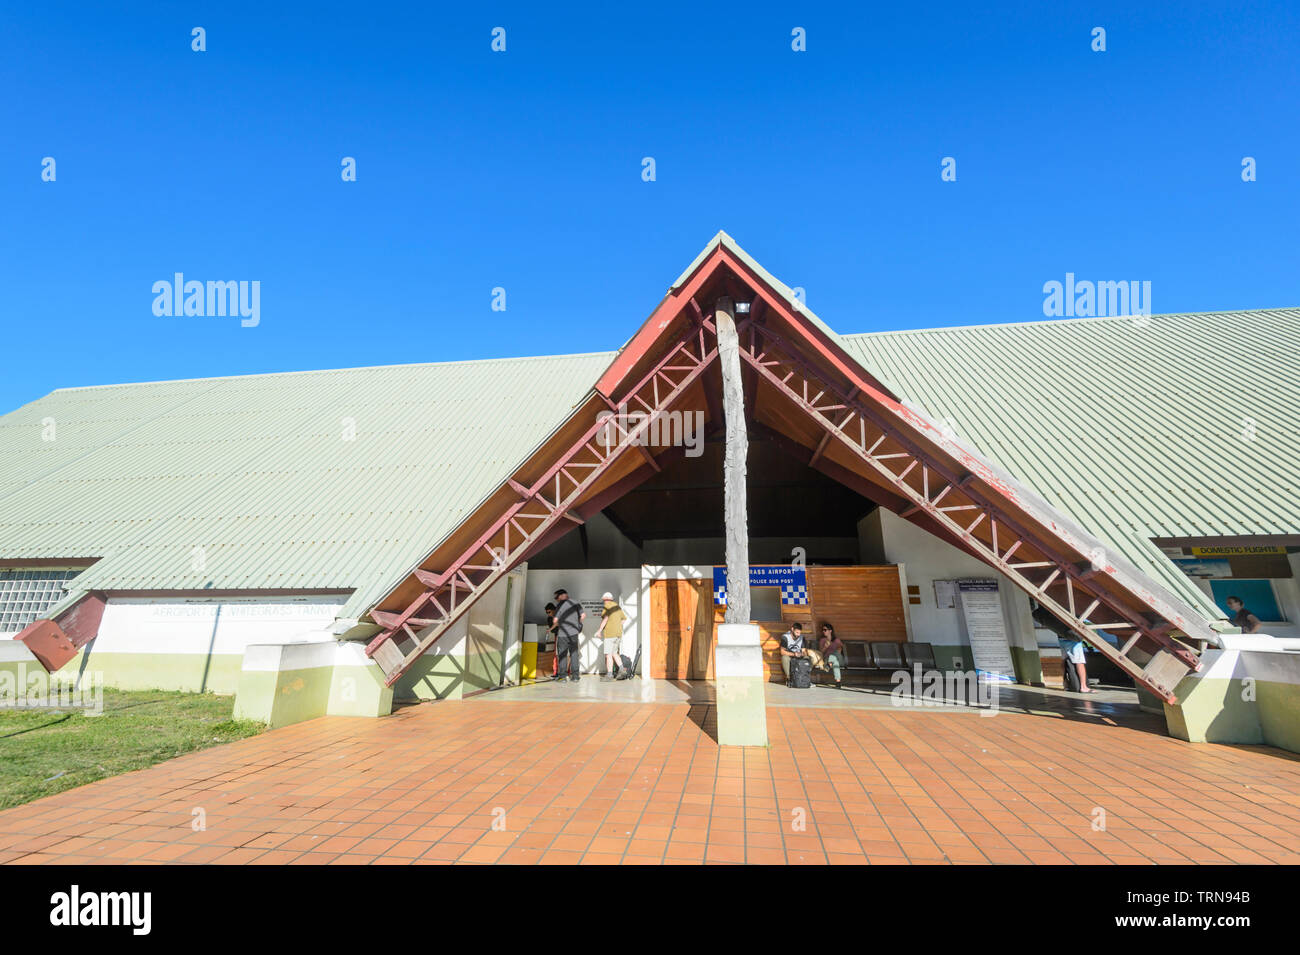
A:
{"x":879,"y":655}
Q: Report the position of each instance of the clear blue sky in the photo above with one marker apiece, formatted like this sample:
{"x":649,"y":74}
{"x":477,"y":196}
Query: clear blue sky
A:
{"x":523,"y":170}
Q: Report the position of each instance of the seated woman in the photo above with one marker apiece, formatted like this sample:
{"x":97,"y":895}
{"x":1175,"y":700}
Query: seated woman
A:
{"x":832,"y":650}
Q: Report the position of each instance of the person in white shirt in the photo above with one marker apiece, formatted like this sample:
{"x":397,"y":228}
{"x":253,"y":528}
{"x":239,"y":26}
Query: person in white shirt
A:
{"x":792,"y":647}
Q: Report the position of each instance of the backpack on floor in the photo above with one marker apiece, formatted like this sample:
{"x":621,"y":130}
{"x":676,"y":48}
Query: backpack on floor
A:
{"x":627,"y":668}
{"x":801,"y":673}
{"x":1069,"y":676}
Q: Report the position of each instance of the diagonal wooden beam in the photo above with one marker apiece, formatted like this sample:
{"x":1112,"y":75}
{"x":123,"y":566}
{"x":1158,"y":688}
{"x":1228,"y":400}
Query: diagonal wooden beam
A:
{"x":392,"y":659}
{"x":1079,"y":623}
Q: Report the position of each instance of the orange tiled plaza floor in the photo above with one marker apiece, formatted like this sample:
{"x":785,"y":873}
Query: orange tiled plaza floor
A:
{"x":566,"y":781}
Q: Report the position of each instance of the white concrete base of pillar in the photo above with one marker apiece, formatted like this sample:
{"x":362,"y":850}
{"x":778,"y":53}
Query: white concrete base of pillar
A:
{"x":741,"y":687}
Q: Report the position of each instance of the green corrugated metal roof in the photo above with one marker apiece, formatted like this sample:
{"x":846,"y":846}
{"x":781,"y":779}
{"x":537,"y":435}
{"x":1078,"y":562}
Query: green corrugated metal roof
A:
{"x":1136,"y":428}
{"x":1133,"y":429}
{"x":255,"y":471}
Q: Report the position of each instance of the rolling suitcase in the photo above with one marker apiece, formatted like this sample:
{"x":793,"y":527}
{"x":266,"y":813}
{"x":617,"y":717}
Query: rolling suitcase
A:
{"x":801,"y":673}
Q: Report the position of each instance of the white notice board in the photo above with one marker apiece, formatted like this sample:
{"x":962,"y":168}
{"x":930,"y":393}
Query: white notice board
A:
{"x":945,"y":594}
{"x":981,"y":608}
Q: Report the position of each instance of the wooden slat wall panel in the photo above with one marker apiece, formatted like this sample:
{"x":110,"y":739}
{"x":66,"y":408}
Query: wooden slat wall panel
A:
{"x":771,"y":648}
{"x":864,"y":603}
{"x":1053,"y":671}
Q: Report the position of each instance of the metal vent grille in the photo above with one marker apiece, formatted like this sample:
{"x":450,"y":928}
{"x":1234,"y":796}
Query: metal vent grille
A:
{"x":26,"y":594}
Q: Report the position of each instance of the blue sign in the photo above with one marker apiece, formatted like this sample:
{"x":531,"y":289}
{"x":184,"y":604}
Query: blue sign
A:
{"x":793,"y":582}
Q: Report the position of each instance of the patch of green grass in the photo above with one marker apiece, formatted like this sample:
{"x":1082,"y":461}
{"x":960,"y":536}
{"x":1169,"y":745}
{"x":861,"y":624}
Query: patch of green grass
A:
{"x":43,"y":752}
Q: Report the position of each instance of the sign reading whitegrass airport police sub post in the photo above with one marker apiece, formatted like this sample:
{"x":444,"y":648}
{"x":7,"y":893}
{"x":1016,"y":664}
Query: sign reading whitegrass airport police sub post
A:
{"x":793,"y":582}
{"x":981,"y":609}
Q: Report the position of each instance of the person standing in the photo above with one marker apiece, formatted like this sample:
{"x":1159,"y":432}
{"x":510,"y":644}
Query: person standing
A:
{"x":1241,"y":617}
{"x":569,"y":617}
{"x":550,"y":637}
{"x":832,"y":648}
{"x":1074,"y":667}
{"x":612,"y":619}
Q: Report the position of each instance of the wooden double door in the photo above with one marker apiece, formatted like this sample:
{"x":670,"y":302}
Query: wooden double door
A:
{"x":682,"y":636}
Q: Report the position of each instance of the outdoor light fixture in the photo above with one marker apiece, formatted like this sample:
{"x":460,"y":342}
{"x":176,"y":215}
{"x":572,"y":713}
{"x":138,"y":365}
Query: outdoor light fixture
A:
{"x":742,"y":308}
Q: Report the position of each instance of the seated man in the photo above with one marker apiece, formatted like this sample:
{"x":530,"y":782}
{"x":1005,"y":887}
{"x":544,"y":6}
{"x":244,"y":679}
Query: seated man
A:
{"x":792,"y":647}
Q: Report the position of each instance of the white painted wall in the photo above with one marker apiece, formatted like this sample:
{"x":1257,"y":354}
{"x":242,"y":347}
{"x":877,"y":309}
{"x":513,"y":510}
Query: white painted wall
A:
{"x":514,"y":633}
{"x":889,"y":539}
{"x":485,"y":634}
{"x":586,"y":586}
{"x":224,"y":625}
{"x":1288,"y":599}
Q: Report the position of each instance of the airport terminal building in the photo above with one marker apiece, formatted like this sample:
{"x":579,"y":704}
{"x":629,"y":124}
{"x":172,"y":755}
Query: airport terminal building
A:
{"x":332,"y":541}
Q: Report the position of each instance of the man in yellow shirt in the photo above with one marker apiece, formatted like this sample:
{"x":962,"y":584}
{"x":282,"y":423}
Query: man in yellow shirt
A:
{"x":612,"y":619}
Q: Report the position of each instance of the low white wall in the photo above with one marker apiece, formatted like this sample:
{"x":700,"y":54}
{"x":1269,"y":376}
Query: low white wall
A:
{"x":196,"y":643}
{"x":1248,"y":692}
{"x":210,"y":625}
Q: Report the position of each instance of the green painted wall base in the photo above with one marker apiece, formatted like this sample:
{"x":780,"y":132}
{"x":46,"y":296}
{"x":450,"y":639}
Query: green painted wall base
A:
{"x":1029,"y":668}
{"x":21,"y":674}
{"x":289,"y":683}
{"x":1212,"y":711}
{"x":1279,"y":714}
{"x":1148,"y":702}
{"x":433,"y":677}
{"x":944,"y":654}
{"x":283,"y":697}
{"x":482,"y":670}
{"x":188,"y":672}
{"x":1239,"y":696}
{"x":357,"y":689}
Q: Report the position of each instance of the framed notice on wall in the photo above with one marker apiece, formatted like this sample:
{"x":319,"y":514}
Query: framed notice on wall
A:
{"x":981,"y":609}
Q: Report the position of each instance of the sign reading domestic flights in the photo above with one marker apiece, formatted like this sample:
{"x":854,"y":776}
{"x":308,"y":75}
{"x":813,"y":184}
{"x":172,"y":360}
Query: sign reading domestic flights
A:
{"x":981,"y":608}
{"x":1247,"y":551}
{"x":793,"y":582}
